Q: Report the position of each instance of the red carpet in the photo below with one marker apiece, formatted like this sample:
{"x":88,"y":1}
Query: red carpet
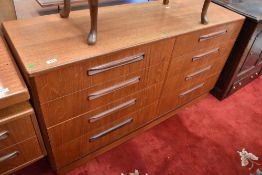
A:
{"x":201,"y":140}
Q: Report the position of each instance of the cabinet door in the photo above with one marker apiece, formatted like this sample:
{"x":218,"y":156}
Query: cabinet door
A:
{"x":255,"y":53}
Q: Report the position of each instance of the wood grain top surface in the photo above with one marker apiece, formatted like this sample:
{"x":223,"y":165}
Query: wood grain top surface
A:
{"x":12,"y":88}
{"x":48,"y":42}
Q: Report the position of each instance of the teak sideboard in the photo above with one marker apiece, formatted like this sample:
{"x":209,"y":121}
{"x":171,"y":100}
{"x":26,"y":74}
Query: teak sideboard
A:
{"x":150,"y":60}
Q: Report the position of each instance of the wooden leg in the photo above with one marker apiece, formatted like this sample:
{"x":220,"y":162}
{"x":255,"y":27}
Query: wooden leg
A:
{"x":204,"y":18}
{"x":93,"y":8}
{"x":165,"y":2}
{"x":64,"y":13}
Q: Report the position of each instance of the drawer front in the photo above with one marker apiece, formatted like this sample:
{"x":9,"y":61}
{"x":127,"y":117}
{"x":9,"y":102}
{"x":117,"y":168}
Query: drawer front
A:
{"x":245,"y":80}
{"x":103,"y":136}
{"x":194,"y":74}
{"x":104,"y":115}
{"x":173,"y":99}
{"x":206,"y":38}
{"x":81,"y":102}
{"x":100,"y":70}
{"x":200,"y":58}
{"x":19,"y":154}
{"x":15,"y":131}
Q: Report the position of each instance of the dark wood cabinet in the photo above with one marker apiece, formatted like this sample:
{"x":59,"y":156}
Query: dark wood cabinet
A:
{"x":245,"y":61}
{"x":255,"y":54}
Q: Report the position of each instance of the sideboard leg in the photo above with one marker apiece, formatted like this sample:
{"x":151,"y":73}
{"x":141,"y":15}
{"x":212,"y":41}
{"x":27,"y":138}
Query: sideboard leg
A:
{"x":204,"y":18}
{"x":93,"y":6}
{"x":165,"y":2}
{"x":64,"y":13}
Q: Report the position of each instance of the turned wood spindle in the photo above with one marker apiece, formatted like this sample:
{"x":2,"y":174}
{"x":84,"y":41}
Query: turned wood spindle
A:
{"x":93,"y":7}
{"x":165,"y":2}
{"x":64,"y":13}
{"x":204,"y":18}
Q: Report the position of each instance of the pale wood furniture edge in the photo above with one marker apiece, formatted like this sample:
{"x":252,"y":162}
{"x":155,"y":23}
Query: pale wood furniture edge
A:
{"x":42,"y":125}
{"x":38,"y":134}
{"x":19,"y":96}
{"x":11,"y":46}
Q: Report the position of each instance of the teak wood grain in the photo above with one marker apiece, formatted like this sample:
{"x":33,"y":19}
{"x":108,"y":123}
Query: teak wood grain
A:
{"x":16,"y":131}
{"x":78,"y":103}
{"x":82,"y":146}
{"x":206,"y":38}
{"x":12,"y":87}
{"x":139,"y":24}
{"x":69,"y":88}
{"x":70,"y":129}
{"x":26,"y":151}
{"x":193,"y":60}
{"x":112,"y":145}
{"x":20,"y":125}
{"x":172,"y":99}
{"x":196,"y":74}
{"x":75,"y":77}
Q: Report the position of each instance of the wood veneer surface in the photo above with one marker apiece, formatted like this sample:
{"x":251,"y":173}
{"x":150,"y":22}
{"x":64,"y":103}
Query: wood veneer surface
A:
{"x":12,"y":87}
{"x":40,"y":39}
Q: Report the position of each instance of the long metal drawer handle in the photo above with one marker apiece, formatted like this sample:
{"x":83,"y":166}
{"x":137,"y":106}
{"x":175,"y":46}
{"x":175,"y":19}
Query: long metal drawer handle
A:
{"x":191,"y":90}
{"x":9,"y":156}
{"x":212,"y":35}
{"x":3,"y":135}
{"x":198,"y":57}
{"x":190,"y":76}
{"x":114,"y":64}
{"x":112,"y":110}
{"x":113,"y":88}
{"x":120,"y":125}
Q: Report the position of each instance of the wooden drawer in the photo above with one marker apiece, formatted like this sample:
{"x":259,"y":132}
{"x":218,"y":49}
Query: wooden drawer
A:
{"x":245,"y":80}
{"x":194,"y":74}
{"x":193,"y":61}
{"x":103,"y":136}
{"x":104,"y":115}
{"x":19,"y":155}
{"x":81,"y":102}
{"x":15,"y":130}
{"x":206,"y":38}
{"x":102,"y":69}
{"x":174,"y":98}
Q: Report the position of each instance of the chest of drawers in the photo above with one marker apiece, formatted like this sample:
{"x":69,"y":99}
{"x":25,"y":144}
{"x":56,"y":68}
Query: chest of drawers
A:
{"x":20,"y":139}
{"x":92,"y":98}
